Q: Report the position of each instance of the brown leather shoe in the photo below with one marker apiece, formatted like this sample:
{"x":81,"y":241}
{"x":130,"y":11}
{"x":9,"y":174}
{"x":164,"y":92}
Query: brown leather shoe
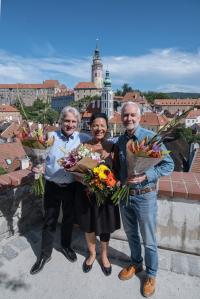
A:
{"x":149,"y":286}
{"x":129,"y":271}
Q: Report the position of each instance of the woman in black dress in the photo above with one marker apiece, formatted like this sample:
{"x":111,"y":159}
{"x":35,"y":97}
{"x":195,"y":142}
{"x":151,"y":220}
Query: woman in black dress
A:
{"x":92,"y":219}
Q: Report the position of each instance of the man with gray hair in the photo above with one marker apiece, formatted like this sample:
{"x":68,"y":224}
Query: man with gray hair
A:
{"x":140,"y":212}
{"x":59,"y":189}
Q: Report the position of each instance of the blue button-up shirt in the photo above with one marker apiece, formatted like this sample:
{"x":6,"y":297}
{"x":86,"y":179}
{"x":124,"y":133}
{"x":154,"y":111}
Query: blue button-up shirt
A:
{"x":61,"y":146}
{"x":165,"y":167}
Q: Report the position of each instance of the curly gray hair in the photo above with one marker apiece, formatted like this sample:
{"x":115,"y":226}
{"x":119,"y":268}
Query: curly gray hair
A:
{"x":72,"y":110}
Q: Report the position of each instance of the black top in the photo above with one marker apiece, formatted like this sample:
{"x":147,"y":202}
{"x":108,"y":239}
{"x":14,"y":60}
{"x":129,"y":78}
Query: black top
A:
{"x":91,"y":217}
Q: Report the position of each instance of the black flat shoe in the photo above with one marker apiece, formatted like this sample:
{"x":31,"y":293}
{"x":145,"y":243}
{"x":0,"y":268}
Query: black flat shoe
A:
{"x":106,"y":270}
{"x":70,"y":254}
{"x":86,"y":268}
{"x":39,"y":265}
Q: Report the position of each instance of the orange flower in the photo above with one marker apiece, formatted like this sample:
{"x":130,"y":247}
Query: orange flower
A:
{"x":110,"y":181}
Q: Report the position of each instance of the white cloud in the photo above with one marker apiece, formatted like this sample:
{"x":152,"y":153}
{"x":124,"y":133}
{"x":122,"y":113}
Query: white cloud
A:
{"x":179,"y":87}
{"x":160,"y":69}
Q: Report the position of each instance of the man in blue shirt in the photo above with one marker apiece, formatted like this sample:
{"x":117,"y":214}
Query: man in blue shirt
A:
{"x":60,"y":188}
{"x":141,"y":211}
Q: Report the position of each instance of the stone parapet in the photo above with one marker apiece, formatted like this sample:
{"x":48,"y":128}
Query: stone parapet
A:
{"x":180,"y":185}
{"x":19,"y":208}
{"x":178,"y":209}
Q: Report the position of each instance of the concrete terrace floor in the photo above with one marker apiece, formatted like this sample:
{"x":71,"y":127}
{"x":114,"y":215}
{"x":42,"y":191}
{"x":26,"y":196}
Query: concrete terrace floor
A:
{"x":62,"y":279}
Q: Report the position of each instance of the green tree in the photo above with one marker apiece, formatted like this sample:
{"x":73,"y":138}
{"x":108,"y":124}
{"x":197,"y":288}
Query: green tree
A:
{"x":83,"y":103}
{"x":40,"y":111}
{"x":126,"y":88}
{"x":187,"y":134}
{"x":118,"y":92}
{"x":151,"y":96}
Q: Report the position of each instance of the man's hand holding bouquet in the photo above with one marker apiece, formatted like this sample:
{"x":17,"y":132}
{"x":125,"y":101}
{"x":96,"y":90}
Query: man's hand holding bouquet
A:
{"x":144,"y":154}
{"x":36,"y":144}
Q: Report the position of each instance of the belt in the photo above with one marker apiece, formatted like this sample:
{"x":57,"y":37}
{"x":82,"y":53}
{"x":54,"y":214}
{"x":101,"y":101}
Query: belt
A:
{"x":59,"y":185}
{"x":141,"y":191}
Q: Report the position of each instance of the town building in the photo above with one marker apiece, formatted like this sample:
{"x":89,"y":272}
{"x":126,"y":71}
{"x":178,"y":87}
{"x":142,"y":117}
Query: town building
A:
{"x":9,"y":113}
{"x":97,"y":69}
{"x":192,"y":118}
{"x":86,"y":89}
{"x":116,"y":126}
{"x":153,"y":121}
{"x":62,"y":99}
{"x":175,"y":105}
{"x":12,"y":156}
{"x":107,"y":97}
{"x":93,"y":88}
{"x":28,"y":93}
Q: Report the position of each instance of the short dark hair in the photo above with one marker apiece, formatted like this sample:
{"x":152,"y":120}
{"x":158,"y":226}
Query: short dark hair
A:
{"x":98,"y":115}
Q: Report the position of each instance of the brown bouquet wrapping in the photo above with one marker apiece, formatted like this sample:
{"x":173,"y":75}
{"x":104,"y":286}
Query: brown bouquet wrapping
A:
{"x":137,"y":165}
{"x":83,"y":165}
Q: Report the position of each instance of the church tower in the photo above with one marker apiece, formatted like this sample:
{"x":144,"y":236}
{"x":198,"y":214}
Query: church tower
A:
{"x":107,"y":97}
{"x":97,"y":69}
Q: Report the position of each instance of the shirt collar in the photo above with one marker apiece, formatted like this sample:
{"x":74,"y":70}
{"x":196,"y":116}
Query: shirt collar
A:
{"x":135,"y":135}
{"x":66,"y":138}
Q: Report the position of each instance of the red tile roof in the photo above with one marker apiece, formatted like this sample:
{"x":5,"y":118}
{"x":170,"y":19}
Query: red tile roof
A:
{"x":15,"y":178}
{"x":118,"y":98}
{"x":85,"y":85}
{"x":177,"y":102}
{"x":51,"y":83}
{"x":193,"y":114}
{"x":11,"y":131}
{"x":153,"y":119}
{"x":134,"y":96}
{"x":116,"y":119}
{"x":91,"y":108}
{"x":8,"y":108}
{"x":12,"y":150}
{"x":86,"y":114}
{"x":45,"y":84}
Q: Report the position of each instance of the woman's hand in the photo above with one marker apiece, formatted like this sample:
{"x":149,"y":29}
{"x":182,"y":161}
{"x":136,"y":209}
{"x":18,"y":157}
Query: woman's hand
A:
{"x":78,"y":178}
{"x":104,"y":154}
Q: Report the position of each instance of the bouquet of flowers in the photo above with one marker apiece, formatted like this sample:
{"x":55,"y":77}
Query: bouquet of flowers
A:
{"x":149,"y":151}
{"x":36,"y":144}
{"x":141,"y":155}
{"x":80,"y":160}
{"x":95,"y":175}
{"x":101,"y":181}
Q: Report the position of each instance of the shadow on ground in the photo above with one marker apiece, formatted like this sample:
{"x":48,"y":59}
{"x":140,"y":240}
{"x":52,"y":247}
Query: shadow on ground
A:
{"x":13,"y":284}
{"x":34,"y":235}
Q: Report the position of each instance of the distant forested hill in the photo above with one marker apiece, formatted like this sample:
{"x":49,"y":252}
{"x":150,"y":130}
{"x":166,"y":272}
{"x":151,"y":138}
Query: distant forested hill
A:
{"x":184,"y":95}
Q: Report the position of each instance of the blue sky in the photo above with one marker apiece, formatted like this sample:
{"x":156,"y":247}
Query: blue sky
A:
{"x":152,"y":45}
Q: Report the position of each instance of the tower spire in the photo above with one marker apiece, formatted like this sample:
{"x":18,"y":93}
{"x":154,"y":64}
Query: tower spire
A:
{"x":97,"y":68}
{"x":107,"y":96}
{"x":97,"y":39}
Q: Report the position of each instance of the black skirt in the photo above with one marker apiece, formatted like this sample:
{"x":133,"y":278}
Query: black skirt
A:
{"x":92,"y":218}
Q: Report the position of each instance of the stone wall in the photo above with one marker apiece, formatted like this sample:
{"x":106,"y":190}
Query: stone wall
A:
{"x":178,"y":209}
{"x":178,"y":225}
{"x":19,"y":209}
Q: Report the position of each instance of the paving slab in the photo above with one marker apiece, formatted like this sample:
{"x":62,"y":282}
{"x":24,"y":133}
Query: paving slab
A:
{"x":61,"y":279}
